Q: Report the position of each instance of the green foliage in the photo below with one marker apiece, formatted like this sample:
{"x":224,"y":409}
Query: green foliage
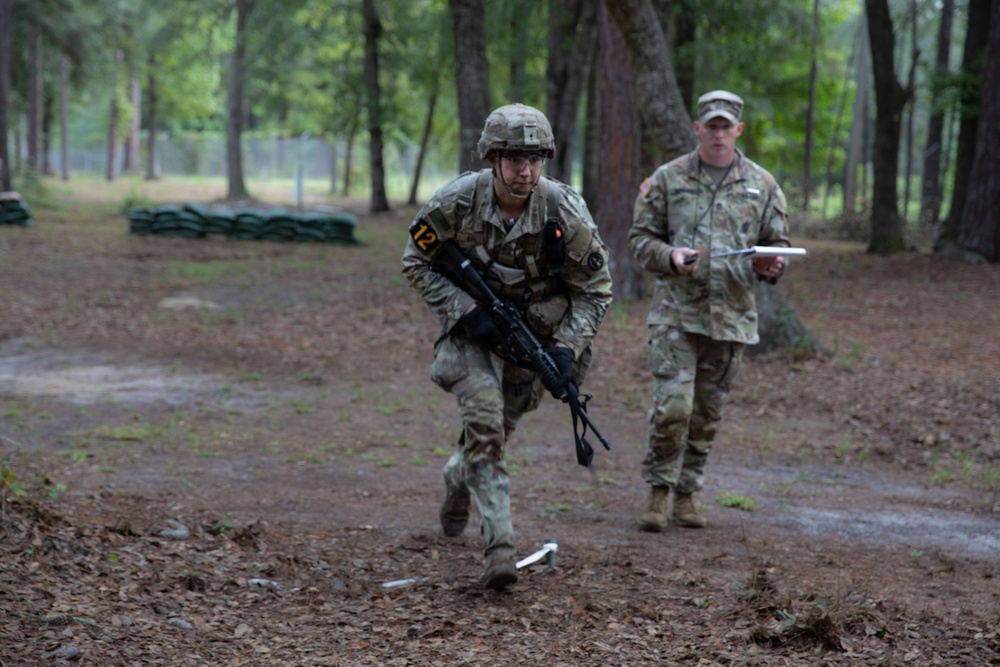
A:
{"x":135,"y":199}
{"x":221,"y":527}
{"x":552,"y":510}
{"x":737,"y":500}
{"x":305,"y":72}
{"x":9,"y":480}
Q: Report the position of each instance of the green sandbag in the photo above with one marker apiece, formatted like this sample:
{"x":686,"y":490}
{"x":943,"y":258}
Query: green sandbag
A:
{"x":198,"y":210}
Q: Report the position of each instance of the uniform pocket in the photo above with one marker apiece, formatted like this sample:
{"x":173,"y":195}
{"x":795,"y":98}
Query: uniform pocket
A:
{"x":545,"y":315}
{"x":450,"y":365}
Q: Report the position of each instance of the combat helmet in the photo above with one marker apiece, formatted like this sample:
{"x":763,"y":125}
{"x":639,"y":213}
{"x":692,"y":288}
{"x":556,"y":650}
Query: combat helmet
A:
{"x":517,"y":127}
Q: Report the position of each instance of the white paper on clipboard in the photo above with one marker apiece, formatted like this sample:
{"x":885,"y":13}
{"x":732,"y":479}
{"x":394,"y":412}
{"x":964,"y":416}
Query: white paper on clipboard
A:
{"x":764,"y":251}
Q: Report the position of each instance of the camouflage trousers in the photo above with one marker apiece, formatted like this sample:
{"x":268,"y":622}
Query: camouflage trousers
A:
{"x":692,"y":376}
{"x":492,"y":397}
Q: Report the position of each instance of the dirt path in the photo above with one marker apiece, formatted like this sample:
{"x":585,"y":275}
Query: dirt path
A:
{"x":281,"y":412}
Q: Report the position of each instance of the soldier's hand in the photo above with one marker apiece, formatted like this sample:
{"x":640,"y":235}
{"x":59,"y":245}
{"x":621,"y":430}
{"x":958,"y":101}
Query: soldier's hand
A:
{"x":478,"y":326}
{"x":684,"y":260}
{"x":563,"y":357}
{"x":769,"y":268}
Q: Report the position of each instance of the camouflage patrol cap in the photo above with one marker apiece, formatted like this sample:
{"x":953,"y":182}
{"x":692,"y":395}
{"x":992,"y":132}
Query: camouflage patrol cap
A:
{"x":517,"y":127}
{"x":720,"y":103}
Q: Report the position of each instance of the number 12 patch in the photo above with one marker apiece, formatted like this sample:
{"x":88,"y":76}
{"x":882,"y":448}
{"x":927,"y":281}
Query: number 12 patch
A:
{"x":425,"y":237}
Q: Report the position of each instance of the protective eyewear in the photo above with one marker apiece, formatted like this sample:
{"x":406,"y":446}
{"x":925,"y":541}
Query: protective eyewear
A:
{"x":518,"y":161}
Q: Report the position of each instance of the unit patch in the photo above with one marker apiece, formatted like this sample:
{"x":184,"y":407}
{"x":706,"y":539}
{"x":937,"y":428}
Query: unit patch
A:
{"x":595,"y":262}
{"x":645,"y":187}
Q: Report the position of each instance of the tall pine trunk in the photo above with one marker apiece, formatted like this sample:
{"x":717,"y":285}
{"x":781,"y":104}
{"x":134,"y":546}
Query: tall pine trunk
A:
{"x":887,"y":225}
{"x":656,"y":91}
{"x":979,"y":230}
{"x":152,"y":155}
{"x":976,"y":40}
{"x":373,"y":96}
{"x":6,"y":15}
{"x":856,"y":143}
{"x":572,"y":35}
{"x":111,"y":168}
{"x":471,"y":78}
{"x":131,"y":164}
{"x":234,"y":121}
{"x":811,"y":112}
{"x":425,"y":137}
{"x":64,"y":118}
{"x":911,"y":112}
{"x":34,"y":99}
{"x":620,"y":159}
{"x":930,"y":196}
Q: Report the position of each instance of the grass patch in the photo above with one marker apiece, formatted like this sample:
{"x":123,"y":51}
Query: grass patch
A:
{"x":737,"y":500}
{"x":127,"y":433}
{"x":210,"y":273}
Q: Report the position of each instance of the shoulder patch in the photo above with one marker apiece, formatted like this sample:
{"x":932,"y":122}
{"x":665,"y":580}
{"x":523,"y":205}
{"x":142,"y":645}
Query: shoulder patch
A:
{"x":595,"y":262}
{"x":645,"y":187}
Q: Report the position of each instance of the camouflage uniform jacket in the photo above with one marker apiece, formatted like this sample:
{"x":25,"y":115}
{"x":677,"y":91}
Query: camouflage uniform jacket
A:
{"x":679,"y":206}
{"x":567,"y":308}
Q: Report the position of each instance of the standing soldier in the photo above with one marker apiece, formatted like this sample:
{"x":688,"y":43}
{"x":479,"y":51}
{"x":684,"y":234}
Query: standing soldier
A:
{"x":534,"y":242}
{"x":703,"y":310}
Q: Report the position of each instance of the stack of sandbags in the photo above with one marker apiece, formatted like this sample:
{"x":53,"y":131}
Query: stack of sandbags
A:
{"x":218,"y":221}
{"x":170,"y":220}
{"x":248,"y":225}
{"x":14,"y":210}
{"x":196,"y":221}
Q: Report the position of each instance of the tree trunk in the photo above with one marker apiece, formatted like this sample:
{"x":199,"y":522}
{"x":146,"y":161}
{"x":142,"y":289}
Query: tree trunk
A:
{"x":679,"y":23}
{"x":778,"y":326}
{"x":572,"y":35}
{"x":832,"y":147}
{"x":911,"y":112}
{"x":111,"y":169}
{"x":972,"y":67}
{"x":517,"y":55}
{"x":34,"y":99}
{"x":234,"y":121}
{"x":48,"y":102}
{"x":471,"y":78}
{"x":425,"y":137}
{"x":152,"y":155}
{"x":64,"y":118}
{"x":619,"y":167}
{"x":6,"y":16}
{"x":592,"y":132}
{"x":856,"y":144}
{"x":333,"y":164}
{"x":979,"y":230}
{"x":887,"y":225}
{"x":930,"y":197}
{"x":349,"y":154}
{"x":811,"y":111}
{"x":373,"y":96}
{"x":131,"y":164}
{"x":656,"y":91}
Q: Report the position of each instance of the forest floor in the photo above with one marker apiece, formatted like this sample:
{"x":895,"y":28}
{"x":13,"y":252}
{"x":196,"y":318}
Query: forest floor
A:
{"x":218,"y":452}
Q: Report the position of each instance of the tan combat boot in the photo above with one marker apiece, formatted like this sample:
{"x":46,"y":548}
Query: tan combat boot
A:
{"x":455,"y":510}
{"x":686,"y":512}
{"x":500,"y":572}
{"x":654,"y":517}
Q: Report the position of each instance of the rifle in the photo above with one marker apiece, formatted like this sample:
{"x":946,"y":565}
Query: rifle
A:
{"x":519,"y":344}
